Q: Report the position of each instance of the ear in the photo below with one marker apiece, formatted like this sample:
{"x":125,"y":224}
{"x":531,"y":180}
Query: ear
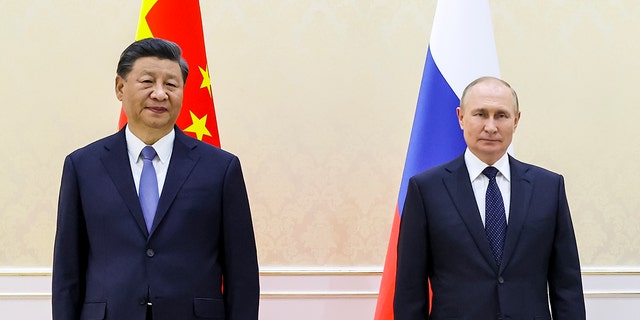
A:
{"x":516,"y":120}
{"x":460,"y":115}
{"x":120,"y":82}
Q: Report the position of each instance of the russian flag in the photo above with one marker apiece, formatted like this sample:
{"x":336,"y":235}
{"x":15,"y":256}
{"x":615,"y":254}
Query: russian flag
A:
{"x":461,"y":49}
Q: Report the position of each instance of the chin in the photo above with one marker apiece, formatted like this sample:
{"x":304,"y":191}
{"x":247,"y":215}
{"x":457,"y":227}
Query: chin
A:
{"x":491,"y":152}
{"x":158,"y":125}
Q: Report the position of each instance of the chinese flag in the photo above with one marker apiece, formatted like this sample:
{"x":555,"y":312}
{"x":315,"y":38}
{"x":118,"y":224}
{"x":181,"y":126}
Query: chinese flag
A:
{"x":179,"y":21}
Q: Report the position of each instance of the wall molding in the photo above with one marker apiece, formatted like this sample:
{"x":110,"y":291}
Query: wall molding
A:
{"x":319,"y":293}
{"x":315,"y":270}
{"x":324,"y":282}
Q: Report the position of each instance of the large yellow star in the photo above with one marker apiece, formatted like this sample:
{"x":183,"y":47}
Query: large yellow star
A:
{"x":143,"y":27}
{"x":198,"y":126}
{"x":206,"y":81}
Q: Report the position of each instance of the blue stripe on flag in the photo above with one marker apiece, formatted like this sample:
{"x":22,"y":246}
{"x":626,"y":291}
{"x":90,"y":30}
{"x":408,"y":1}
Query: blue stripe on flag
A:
{"x":436,"y":136}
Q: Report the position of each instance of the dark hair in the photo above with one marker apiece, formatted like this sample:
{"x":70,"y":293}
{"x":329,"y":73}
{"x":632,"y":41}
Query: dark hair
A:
{"x":151,"y":47}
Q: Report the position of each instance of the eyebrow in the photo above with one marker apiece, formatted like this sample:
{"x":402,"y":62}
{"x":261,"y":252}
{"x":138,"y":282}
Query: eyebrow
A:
{"x":169,"y":76}
{"x":483,"y":109}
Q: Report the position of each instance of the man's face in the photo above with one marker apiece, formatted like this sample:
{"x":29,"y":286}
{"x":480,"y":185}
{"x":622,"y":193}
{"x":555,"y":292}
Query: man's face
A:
{"x":151,"y":94}
{"x":488,"y":118}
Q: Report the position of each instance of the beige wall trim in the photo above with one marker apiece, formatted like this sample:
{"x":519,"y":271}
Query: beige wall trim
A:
{"x":25,"y":296}
{"x":317,"y":295}
{"x":26,"y":271}
{"x":319,"y":271}
{"x":635,"y":294}
{"x":270,"y":295}
{"x":611,"y":271}
{"x":327,"y":293}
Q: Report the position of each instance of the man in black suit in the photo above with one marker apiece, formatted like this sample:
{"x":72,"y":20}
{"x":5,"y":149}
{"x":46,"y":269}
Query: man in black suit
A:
{"x":491,"y":234}
{"x":153,"y":223}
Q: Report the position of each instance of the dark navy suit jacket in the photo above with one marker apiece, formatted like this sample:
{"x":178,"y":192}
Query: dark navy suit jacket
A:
{"x":107,"y":266}
{"x":442,"y":239}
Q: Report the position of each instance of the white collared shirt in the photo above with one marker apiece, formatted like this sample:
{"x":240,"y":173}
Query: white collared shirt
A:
{"x":164,"y":149}
{"x":480,"y":182}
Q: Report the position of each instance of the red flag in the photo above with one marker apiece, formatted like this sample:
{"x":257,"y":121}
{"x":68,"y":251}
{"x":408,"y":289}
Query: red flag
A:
{"x":180,"y":21}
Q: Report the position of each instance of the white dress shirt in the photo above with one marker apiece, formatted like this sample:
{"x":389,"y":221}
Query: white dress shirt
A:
{"x":480,"y":182}
{"x":163,"y":147}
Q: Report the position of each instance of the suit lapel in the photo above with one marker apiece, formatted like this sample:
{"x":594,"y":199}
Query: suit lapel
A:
{"x":181,"y":165}
{"x":521,"y":191}
{"x":116,"y":162}
{"x":459,"y":187}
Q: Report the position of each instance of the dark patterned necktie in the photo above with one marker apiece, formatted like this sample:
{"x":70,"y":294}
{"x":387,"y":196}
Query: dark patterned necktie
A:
{"x":495,"y":217}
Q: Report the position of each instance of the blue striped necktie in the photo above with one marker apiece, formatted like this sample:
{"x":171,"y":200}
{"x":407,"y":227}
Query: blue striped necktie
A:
{"x":148,"y":193}
{"x":495,"y":218}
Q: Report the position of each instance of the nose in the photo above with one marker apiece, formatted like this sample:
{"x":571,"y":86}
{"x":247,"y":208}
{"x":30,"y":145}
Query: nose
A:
{"x":490,"y":126}
{"x":159,"y":93}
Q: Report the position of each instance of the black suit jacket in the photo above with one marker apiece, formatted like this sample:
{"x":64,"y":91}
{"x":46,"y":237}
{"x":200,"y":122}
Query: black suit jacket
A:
{"x":107,"y":266}
{"x":442,"y":240}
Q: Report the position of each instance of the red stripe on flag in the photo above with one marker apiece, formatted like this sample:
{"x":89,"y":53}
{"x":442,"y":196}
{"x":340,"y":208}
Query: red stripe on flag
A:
{"x":180,"y":21}
{"x":384,"y":307}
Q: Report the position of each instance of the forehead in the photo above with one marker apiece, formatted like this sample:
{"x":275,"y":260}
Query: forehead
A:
{"x":490,"y":94}
{"x":156,"y":66}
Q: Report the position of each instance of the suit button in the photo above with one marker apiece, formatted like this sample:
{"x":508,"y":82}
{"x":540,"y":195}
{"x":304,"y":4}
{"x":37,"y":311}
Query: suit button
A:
{"x":500,"y":280}
{"x":150,"y":253}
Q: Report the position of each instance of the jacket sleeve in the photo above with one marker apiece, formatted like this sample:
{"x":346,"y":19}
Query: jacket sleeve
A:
{"x":411,"y":299}
{"x":565,"y":283}
{"x":70,"y":249}
{"x":240,"y":264}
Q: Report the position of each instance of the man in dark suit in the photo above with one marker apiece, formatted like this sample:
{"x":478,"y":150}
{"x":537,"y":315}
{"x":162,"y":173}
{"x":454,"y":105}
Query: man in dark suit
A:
{"x":165,"y":233}
{"x":495,"y":243}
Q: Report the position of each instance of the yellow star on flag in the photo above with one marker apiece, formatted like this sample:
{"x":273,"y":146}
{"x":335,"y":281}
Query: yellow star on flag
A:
{"x":206,"y":81}
{"x":143,"y":27}
{"x":198,"y":126}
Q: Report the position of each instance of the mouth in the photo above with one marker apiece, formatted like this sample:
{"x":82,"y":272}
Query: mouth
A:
{"x":157,"y":109}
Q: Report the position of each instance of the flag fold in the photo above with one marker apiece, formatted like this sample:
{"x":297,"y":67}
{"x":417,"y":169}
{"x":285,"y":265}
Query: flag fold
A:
{"x":180,"y":21}
{"x":461,"y":49}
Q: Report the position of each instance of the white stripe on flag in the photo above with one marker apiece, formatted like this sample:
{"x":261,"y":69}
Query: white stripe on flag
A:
{"x":464,"y":51}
